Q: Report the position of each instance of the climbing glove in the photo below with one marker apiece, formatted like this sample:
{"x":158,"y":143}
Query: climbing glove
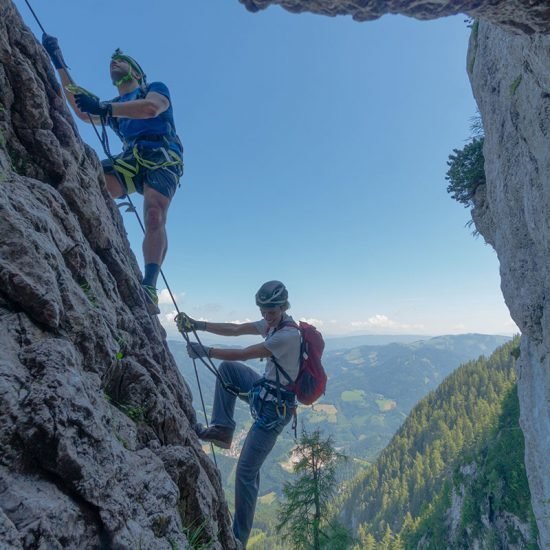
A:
{"x":51,"y":45}
{"x":186,"y":324}
{"x":196,"y":350}
{"x":91,"y":105}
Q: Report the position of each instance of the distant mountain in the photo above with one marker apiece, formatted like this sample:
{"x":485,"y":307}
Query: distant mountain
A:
{"x":347,"y":342}
{"x":453,"y":474}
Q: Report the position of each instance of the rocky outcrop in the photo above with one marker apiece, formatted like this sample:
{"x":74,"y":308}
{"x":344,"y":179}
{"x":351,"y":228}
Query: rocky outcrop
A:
{"x":492,"y":528}
{"x":511,"y":81}
{"x":96,"y":445}
{"x":523,"y":16}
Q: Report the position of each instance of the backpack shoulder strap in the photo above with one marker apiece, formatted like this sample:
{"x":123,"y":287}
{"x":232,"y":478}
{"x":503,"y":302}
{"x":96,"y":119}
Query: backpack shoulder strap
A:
{"x":278,"y":367}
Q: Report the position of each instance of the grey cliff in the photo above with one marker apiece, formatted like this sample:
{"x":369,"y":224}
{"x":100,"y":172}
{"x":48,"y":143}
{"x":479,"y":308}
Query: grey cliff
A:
{"x":510,"y":77}
{"x":96,"y":442}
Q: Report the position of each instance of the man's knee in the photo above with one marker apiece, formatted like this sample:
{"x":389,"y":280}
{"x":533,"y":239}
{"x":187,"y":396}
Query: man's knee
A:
{"x":154,"y":217}
{"x":225,"y":367}
{"x":228,"y":369}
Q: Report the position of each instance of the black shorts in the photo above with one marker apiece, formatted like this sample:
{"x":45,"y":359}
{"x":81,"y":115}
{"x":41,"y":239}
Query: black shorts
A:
{"x":156,"y":167}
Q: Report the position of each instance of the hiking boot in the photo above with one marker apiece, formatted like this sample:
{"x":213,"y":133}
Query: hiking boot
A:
{"x":151,"y":299}
{"x":221,"y":436}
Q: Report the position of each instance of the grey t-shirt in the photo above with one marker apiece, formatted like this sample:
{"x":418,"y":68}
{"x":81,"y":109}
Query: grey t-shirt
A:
{"x":284,"y":344}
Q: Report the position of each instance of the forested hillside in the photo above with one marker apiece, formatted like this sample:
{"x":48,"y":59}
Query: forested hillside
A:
{"x":487,"y":502}
{"x":453,"y":475}
{"x":374,"y":388}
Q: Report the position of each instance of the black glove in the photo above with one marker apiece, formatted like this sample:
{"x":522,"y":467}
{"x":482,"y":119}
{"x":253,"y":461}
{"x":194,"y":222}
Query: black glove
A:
{"x":51,"y":45}
{"x":196,"y":350}
{"x":186,"y":324}
{"x":91,"y":105}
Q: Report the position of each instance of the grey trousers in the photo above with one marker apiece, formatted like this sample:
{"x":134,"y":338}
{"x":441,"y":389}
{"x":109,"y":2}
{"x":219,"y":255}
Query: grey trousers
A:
{"x":257,"y":446}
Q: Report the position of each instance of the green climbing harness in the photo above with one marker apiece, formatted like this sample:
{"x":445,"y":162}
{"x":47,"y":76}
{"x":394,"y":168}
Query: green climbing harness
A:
{"x":132,"y":161}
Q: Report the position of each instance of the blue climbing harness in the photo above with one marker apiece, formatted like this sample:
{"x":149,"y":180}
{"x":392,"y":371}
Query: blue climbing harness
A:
{"x":260,"y":406}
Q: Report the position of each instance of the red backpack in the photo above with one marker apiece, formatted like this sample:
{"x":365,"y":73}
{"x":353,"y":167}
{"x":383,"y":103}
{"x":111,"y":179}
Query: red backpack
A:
{"x":311,"y":381}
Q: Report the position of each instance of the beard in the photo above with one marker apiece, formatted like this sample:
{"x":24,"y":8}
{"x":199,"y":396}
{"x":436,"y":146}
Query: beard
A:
{"x":117,"y":73}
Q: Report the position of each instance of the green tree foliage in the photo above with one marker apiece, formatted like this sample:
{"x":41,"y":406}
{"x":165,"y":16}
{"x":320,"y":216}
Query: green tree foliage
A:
{"x":366,"y":540}
{"x":304,"y":513}
{"x":496,"y":486}
{"x":410,"y":480}
{"x":466,"y":171}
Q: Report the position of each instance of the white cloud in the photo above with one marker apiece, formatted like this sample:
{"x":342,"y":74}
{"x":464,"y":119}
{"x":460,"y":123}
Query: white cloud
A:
{"x":166,"y":319}
{"x":314,"y":322}
{"x":169,"y":318}
{"x":205,"y":309}
{"x":166,"y":299}
{"x":380,"y":321}
{"x":237,"y":321}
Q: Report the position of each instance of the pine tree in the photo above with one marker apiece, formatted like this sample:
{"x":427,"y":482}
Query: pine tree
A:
{"x":304,"y":514}
{"x":387,"y":539}
{"x":466,"y":171}
{"x":366,"y":540}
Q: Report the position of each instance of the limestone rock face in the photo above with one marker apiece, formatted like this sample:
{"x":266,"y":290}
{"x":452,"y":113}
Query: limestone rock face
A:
{"x":522,"y":16}
{"x":96,"y":442}
{"x":511,"y":81}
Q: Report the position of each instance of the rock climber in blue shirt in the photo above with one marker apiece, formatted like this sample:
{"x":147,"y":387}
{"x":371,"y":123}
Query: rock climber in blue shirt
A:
{"x":151,"y":160}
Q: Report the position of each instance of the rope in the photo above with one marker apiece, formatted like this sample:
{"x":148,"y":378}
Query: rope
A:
{"x":35,"y":17}
{"x":104,"y":140}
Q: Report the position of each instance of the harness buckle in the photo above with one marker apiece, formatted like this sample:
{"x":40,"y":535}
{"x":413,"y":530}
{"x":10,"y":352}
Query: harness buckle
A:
{"x":283,"y":407}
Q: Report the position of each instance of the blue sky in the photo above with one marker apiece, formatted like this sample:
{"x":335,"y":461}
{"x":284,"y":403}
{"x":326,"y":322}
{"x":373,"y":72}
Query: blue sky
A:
{"x":315,"y":153}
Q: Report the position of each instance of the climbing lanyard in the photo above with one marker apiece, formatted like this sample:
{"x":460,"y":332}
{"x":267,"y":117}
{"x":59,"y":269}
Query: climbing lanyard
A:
{"x":230,"y":388}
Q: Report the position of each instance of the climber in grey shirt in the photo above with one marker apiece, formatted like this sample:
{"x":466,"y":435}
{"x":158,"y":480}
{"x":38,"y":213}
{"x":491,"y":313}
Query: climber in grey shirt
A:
{"x":271,"y":405}
{"x":284,"y":345}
